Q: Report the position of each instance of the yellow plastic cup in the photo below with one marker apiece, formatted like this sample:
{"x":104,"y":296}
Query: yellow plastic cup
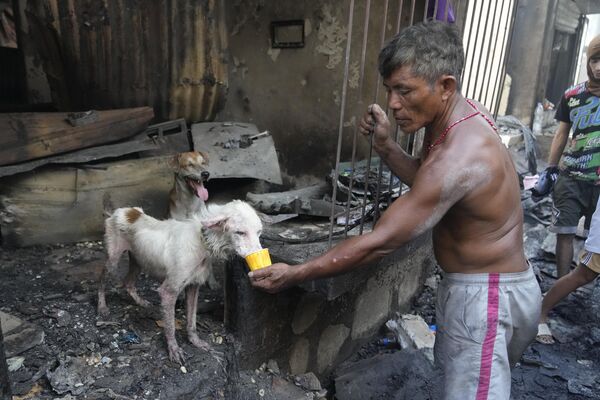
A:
{"x":258,"y":259}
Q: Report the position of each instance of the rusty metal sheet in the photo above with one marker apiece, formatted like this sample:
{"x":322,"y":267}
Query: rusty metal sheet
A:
{"x":169,"y":54}
{"x":233,"y":153}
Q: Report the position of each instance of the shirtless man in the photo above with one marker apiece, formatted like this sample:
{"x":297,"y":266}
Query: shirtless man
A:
{"x":465,"y":187}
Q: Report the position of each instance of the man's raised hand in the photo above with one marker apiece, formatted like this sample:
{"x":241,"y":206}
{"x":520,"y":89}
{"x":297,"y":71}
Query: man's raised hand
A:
{"x":375,"y":122}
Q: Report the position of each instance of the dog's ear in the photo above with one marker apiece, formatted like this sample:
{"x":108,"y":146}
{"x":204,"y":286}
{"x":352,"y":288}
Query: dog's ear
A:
{"x":174,"y":161}
{"x":204,"y":156}
{"x":217,"y":222}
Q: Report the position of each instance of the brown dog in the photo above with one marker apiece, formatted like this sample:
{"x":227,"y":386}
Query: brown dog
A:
{"x":188,"y":196}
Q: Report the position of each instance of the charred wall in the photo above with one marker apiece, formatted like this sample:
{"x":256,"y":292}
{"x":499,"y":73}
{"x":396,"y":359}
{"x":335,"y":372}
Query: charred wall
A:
{"x":296,"y":93}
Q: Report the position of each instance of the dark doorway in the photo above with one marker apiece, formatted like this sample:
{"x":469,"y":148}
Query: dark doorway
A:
{"x":562,"y":61}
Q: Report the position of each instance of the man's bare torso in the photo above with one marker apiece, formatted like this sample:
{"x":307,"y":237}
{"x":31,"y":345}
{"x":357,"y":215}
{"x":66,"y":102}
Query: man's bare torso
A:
{"x":483,"y":231}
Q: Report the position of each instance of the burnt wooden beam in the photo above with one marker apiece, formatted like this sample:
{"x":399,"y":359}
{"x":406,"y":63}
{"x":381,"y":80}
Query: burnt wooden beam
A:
{"x":28,"y":136}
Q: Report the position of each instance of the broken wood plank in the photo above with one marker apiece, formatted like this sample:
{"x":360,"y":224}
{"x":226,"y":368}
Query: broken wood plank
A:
{"x":27,"y":136}
{"x":56,"y":205}
{"x":83,"y":156}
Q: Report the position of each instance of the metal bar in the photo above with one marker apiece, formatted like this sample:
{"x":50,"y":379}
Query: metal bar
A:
{"x":471,"y":64}
{"x":468,"y":44}
{"x":458,"y":10}
{"x":360,"y":90}
{"x":341,"y":121}
{"x":390,"y":185}
{"x":378,"y":190}
{"x":489,"y":76}
{"x":435,"y":9}
{"x":399,"y":20}
{"x":362,"y":216}
{"x":446,"y":8}
{"x":426,"y":8}
{"x":507,"y":55}
{"x":489,"y":50}
{"x":498,"y":87}
{"x":380,"y":169}
{"x":5,"y":391}
{"x":412,"y":13}
{"x":483,"y":41}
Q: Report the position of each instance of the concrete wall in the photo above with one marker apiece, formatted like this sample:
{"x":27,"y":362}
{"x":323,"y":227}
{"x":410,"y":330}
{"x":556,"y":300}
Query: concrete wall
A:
{"x":528,"y":63}
{"x":314,"y":331}
{"x":296,"y":93}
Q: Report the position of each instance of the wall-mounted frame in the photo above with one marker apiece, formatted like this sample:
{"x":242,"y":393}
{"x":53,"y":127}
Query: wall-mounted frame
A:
{"x":287,"y":34}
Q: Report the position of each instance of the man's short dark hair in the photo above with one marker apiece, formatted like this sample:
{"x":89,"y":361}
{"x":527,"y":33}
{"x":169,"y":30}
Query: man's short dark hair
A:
{"x":432,"y":49}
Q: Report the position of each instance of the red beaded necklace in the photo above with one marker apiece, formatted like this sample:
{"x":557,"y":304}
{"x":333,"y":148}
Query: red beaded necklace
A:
{"x":441,"y":138}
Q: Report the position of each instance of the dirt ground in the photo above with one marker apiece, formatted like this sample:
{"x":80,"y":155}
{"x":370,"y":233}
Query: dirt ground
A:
{"x":125,"y":357}
{"x":122,"y":357}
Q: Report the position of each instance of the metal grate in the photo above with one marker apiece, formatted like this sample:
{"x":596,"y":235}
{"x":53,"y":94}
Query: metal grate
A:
{"x":486,"y":36}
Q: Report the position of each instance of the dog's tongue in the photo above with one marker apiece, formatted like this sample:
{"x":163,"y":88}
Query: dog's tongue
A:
{"x":201,"y":191}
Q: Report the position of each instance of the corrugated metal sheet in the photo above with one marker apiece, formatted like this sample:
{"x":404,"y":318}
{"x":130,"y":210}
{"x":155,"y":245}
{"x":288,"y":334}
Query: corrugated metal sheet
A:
{"x":126,"y":53}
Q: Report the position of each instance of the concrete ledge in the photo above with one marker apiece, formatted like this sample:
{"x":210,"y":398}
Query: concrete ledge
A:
{"x":317,"y":326}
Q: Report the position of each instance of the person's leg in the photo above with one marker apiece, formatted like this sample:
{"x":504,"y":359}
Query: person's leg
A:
{"x":470,"y":344}
{"x":568,"y":203}
{"x":564,"y":253}
{"x":524,"y":302}
{"x":580,"y":276}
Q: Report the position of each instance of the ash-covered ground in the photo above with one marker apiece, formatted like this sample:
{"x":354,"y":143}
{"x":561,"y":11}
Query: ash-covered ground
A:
{"x":82,"y":356}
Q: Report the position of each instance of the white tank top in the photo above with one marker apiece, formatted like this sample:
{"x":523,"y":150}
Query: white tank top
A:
{"x":592,"y":243}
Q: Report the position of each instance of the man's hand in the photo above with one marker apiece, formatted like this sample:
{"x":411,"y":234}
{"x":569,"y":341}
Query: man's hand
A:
{"x":274,"y":278}
{"x":375,"y":122}
{"x":545,"y":183}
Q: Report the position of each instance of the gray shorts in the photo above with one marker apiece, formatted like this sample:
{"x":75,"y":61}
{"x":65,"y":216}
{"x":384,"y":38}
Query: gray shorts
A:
{"x":572,"y":199}
{"x":484,"y":324}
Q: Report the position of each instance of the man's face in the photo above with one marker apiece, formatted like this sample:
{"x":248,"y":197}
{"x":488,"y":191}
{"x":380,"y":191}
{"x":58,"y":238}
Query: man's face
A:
{"x":413,"y":101}
{"x":595,"y":66}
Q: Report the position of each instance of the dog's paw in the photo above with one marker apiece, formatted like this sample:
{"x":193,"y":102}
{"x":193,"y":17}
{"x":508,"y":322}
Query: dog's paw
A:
{"x":199,"y":343}
{"x":103,"y":312}
{"x":176,"y":354}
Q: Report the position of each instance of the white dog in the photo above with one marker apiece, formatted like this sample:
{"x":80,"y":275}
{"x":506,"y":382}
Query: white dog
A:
{"x":180,"y":253}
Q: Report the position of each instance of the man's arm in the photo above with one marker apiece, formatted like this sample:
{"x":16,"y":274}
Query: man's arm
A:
{"x":436,"y":189}
{"x":558,"y":143}
{"x":398,"y":161}
{"x":376,"y":122}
